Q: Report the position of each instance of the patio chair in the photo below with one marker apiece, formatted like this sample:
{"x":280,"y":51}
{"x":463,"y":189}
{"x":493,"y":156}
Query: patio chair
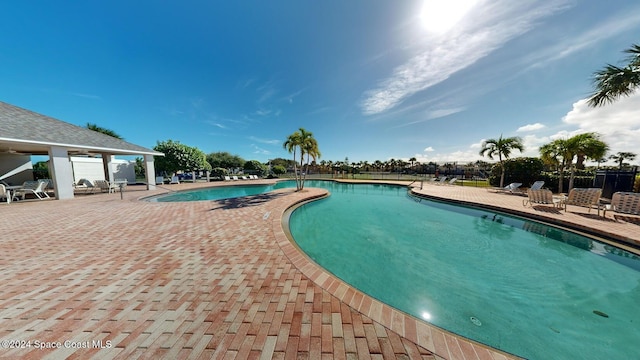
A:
{"x":104,"y":185}
{"x":226,"y":178}
{"x":234,"y":178}
{"x":623,"y":203}
{"x":174,"y":180}
{"x":541,"y":197}
{"x":452,"y":181}
{"x":585,"y":197}
{"x":5,"y":194}
{"x":36,"y":188}
{"x":159,"y":180}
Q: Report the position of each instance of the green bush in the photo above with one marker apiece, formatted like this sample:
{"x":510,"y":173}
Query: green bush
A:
{"x":255,"y":167}
{"x":219,"y":172}
{"x":636,"y":184}
{"x":525,"y":170}
{"x":278,"y":169}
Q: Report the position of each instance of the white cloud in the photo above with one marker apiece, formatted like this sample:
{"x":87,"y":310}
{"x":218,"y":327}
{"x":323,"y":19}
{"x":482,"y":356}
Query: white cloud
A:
{"x":488,"y":27}
{"x":530,"y":127}
{"x":265,"y":141}
{"x":428,"y":149}
{"x":435,"y":114}
{"x":566,"y":46}
{"x":618,"y":123}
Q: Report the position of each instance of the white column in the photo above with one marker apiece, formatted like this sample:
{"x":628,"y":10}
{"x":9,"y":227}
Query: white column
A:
{"x":150,"y":171}
{"x":61,"y":172}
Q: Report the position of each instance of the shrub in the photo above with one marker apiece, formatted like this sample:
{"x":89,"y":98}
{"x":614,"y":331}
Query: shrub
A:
{"x":525,"y":170}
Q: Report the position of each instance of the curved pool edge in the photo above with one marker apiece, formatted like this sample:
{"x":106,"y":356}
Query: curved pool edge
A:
{"x":609,"y":238}
{"x":441,"y":342}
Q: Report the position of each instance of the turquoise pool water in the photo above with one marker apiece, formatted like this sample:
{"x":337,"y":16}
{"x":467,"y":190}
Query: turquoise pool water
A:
{"x":517,"y":285}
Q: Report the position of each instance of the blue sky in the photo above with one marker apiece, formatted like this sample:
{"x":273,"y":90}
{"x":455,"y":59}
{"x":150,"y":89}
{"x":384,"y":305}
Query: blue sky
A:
{"x":372,"y":80}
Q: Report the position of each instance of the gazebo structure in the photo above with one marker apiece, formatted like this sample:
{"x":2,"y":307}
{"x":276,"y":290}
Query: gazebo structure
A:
{"x":28,"y":133}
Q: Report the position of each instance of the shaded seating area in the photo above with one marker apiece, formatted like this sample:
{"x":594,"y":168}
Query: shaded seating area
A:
{"x":585,"y":197}
{"x":626,"y":203}
{"x":541,"y":197}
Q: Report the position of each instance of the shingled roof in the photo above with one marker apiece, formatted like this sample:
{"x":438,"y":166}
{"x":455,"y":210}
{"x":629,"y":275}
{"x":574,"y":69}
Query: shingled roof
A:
{"x":24,"y":128}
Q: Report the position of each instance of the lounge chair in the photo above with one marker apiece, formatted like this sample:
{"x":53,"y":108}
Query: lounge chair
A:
{"x":104,"y":185}
{"x":586,"y":197}
{"x":537,"y":185}
{"x":513,"y":188}
{"x":623,"y":203}
{"x":36,"y":188}
{"x":441,"y":180}
{"x":174,"y":180}
{"x":234,"y":177}
{"x":452,"y":181}
{"x":541,"y":197}
{"x":226,"y":178}
{"x":159,"y":180}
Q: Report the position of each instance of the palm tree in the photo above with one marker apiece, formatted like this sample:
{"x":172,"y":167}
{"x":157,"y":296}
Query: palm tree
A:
{"x":613,"y":82}
{"x":583,"y":146}
{"x":105,"y":131}
{"x":309,"y":147}
{"x":502,"y":147}
{"x":291,"y":145}
{"x":621,"y":156}
{"x":304,"y":141}
{"x":556,"y":154}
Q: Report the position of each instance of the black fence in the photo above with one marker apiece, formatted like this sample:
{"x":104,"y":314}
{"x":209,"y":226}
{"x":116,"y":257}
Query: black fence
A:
{"x":611,"y":181}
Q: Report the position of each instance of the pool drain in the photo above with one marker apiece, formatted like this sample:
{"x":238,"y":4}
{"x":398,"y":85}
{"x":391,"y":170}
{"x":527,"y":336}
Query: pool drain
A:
{"x":475,"y":321}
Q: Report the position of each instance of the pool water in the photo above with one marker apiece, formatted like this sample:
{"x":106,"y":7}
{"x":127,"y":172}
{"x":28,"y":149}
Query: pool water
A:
{"x":520,"y":286}
{"x":516,"y":285}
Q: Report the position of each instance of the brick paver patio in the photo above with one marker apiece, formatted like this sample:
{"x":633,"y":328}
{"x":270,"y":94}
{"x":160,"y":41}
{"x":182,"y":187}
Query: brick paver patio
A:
{"x":213,"y":279}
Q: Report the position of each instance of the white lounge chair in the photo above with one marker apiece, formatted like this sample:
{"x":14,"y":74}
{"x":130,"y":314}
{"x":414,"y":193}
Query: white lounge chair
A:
{"x":86,"y":185}
{"x":234,"y":177}
{"x":159,"y":180}
{"x":226,"y":178}
{"x":36,"y":188}
{"x":174,"y":180}
{"x":513,"y":188}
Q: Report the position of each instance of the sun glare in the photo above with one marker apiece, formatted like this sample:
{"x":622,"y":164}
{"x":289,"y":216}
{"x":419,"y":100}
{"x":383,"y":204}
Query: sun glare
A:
{"x":439,"y":16}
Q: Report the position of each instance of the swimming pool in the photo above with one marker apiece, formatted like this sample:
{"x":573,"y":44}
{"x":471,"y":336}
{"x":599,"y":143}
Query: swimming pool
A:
{"x":513,"y":284}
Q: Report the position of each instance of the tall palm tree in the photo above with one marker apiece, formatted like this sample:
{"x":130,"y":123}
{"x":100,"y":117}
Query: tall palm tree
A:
{"x":303,"y":141}
{"x":613,"y":82}
{"x":556,"y":154}
{"x":501,"y":147}
{"x":621,"y":156}
{"x":292,"y":144}
{"x":309,"y":147}
{"x":584,"y":146}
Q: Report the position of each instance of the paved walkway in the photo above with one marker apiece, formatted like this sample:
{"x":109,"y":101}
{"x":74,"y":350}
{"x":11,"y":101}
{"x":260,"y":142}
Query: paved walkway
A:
{"x":100,"y":277}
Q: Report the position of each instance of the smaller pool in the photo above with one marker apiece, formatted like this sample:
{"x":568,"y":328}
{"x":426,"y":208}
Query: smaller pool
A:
{"x":225,"y":192}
